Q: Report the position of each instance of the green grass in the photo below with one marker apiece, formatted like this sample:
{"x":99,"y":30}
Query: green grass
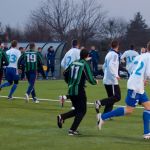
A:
{"x":29,"y":126}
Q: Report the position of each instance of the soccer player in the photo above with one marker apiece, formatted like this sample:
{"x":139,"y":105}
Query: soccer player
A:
{"x":72,"y":55}
{"x":135,"y":94}
{"x":12,"y":75}
{"x":33,"y":61}
{"x":110,"y":80}
{"x":129,"y":55}
{"x":3,"y":61}
{"x":76,"y":75}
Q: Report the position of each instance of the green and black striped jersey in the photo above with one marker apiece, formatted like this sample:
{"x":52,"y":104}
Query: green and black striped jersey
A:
{"x":31,"y":60}
{"x":3,"y":59}
{"x":78,"y":72}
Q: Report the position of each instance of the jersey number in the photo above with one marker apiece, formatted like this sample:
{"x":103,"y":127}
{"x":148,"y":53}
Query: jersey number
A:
{"x":68,"y":61}
{"x":130,"y":59}
{"x":12,"y":58}
{"x":31,"y":58}
{"x":74,"y":72}
{"x":138,"y":71}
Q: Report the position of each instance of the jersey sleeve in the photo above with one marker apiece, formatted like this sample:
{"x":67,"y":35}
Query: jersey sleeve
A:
{"x":114,"y":65}
{"x":89,"y":75}
{"x":20,"y":60}
{"x":5,"y":59}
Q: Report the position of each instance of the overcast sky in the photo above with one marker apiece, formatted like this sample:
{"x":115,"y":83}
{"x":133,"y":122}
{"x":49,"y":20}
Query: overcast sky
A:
{"x":16,"y":12}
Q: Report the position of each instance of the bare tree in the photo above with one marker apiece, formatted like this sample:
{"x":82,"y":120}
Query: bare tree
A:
{"x":88,"y":20}
{"x":57,"y":15}
{"x":114,"y":28}
{"x":70,"y":19}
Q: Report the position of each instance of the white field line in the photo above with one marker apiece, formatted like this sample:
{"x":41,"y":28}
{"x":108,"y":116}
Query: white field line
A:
{"x":54,"y":100}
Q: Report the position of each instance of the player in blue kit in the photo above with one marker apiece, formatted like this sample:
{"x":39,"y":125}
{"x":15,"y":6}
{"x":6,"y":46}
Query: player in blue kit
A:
{"x":135,"y":94}
{"x":12,"y":75}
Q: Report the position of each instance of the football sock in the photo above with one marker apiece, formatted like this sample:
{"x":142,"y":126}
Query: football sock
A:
{"x":33,"y":93}
{"x":12,"y":90}
{"x":115,"y":113}
{"x":146,"y":121}
{"x":5,"y":84}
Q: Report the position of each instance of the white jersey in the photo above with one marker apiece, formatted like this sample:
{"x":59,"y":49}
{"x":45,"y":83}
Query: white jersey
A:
{"x":140,"y":73}
{"x":111,"y":67}
{"x":129,"y":55}
{"x":134,"y":63}
{"x":13,"y":55}
{"x":72,"y":55}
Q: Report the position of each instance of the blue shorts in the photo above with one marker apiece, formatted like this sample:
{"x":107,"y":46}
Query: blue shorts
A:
{"x":12,"y":74}
{"x":132,"y":98}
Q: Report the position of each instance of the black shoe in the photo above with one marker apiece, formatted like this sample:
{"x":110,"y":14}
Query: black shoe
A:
{"x":60,"y":121}
{"x":97,"y":106}
{"x":10,"y":98}
{"x":71,"y":132}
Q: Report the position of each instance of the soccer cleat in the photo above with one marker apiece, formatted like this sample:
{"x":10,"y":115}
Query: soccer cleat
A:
{"x":146,"y":136}
{"x":26,"y":97}
{"x":60,"y":121}
{"x":62,"y":99}
{"x":97,"y":105}
{"x":100,"y":121}
{"x":35,"y":100}
{"x":71,"y":132}
{"x":10,"y":98}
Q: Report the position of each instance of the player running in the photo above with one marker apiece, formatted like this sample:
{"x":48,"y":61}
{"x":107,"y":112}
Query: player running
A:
{"x":72,"y":55}
{"x":135,"y":94}
{"x":76,"y":75}
{"x":12,"y":75}
{"x":33,"y":61}
{"x":110,"y":79}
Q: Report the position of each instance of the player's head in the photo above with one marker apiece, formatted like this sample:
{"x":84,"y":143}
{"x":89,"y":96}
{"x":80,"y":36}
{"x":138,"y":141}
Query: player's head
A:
{"x":39,"y":49}
{"x":14,"y":43}
{"x":32,"y":46}
{"x":93,"y":48}
{"x":143,"y":50}
{"x":131,"y":47}
{"x":148,"y":46}
{"x":75,"y":43}
{"x":115,"y":45}
{"x":84,"y":54}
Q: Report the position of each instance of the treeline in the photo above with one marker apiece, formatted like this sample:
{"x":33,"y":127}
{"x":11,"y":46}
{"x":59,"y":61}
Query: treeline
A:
{"x":84,"y":20}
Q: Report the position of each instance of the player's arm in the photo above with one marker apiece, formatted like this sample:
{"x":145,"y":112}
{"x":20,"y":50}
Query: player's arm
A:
{"x":40,"y":64}
{"x":123,"y":57}
{"x":20,"y":61}
{"x":5,"y":59}
{"x":113,"y":66}
{"x":89,"y":75}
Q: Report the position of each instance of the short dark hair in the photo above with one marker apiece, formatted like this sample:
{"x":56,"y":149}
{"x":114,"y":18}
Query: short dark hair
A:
{"x":84,"y":54}
{"x":114,"y":44}
{"x":20,"y":48}
{"x":74,"y":43}
{"x":14,"y":43}
{"x":132,"y":47}
{"x":32,"y":45}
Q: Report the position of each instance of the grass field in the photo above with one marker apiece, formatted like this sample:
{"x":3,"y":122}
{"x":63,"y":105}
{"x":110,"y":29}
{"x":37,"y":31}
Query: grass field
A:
{"x":29,"y":126}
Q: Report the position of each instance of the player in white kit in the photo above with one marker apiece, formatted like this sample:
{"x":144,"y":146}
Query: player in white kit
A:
{"x":135,"y":94}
